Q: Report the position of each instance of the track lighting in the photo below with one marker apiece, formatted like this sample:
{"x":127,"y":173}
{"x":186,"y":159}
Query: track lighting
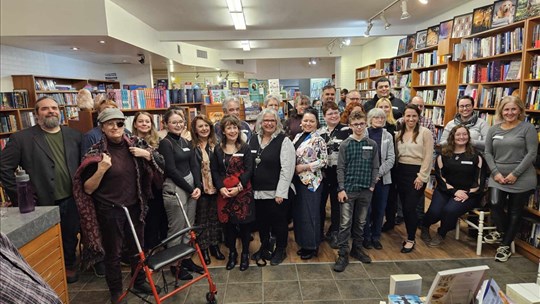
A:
{"x":386,"y":23}
{"x":404,"y":13}
{"x":312,"y":61}
{"x":141,"y":58}
{"x":369,"y":26}
{"x":345,"y":42}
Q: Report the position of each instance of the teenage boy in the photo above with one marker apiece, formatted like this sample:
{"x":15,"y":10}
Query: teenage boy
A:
{"x":357,"y":171}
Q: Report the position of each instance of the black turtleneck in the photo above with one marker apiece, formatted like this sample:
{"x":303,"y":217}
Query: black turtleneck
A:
{"x":179,"y":160}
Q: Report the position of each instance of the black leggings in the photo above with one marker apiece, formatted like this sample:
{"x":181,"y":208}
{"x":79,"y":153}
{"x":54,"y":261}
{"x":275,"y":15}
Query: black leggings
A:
{"x":508,"y":221}
{"x":409,"y":196}
{"x":233,"y":231}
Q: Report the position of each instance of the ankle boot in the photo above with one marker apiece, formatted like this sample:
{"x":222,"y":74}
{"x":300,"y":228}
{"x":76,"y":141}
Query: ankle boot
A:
{"x":233,"y":259}
{"x":244,"y":261}
{"x":189,"y":265}
{"x":206,"y":256}
{"x":215,"y":252}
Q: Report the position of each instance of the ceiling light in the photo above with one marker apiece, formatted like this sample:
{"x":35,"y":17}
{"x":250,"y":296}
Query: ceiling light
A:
{"x":239,"y":21}
{"x":369,"y":26}
{"x":404,"y":13}
{"x":75,"y":48}
{"x":245,"y":45}
{"x":235,"y":6}
{"x":312,"y":61}
{"x":102,"y":41}
{"x":423,"y":1}
{"x":386,"y":23}
{"x":346,"y":41}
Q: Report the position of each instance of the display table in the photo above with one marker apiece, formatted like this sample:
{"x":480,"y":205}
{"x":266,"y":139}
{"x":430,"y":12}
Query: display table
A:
{"x":39,"y":240}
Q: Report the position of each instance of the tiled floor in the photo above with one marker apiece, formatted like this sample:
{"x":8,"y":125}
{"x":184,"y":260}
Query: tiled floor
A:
{"x":313,"y":283}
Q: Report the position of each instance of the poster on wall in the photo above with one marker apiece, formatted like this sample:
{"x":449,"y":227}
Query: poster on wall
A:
{"x":503,"y":13}
{"x":411,"y":42}
{"x":445,"y":29}
{"x":421,"y":37}
{"x":432,"y":36}
{"x":462,"y":26}
{"x":526,"y":9}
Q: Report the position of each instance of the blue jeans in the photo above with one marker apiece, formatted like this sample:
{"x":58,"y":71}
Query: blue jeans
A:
{"x":444,"y":208}
{"x":375,"y":215}
{"x":353,"y":219}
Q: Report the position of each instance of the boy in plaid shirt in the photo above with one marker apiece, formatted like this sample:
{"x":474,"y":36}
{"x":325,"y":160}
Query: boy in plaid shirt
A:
{"x":357,"y":172}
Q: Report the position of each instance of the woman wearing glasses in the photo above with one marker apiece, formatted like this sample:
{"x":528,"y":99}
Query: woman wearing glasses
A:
{"x":182,"y":178}
{"x":467,"y":117}
{"x":414,"y":146}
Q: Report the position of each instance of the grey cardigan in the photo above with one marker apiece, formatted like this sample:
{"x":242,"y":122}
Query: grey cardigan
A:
{"x":388,"y":157}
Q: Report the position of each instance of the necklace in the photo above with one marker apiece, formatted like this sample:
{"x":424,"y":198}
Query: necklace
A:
{"x":260,"y":150}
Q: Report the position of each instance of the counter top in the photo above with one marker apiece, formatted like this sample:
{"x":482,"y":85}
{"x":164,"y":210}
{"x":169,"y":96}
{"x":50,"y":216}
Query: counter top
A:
{"x":23,"y":228}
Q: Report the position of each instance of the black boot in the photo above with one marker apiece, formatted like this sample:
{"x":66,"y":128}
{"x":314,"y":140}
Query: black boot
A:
{"x":215,"y":252}
{"x":244,"y":261}
{"x":182,"y":274}
{"x":191,"y":266}
{"x":233,"y":259}
{"x":206,"y":256}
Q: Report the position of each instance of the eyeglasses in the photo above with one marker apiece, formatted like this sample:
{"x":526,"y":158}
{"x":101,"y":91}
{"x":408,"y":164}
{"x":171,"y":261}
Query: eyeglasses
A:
{"x":180,"y":122}
{"x":467,"y":106}
{"x":358,"y":125}
{"x":268,"y":121}
{"x":354,"y":98}
{"x":119,"y":124}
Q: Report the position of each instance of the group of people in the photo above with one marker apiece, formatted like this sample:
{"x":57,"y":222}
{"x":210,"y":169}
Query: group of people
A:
{"x":233,"y":181}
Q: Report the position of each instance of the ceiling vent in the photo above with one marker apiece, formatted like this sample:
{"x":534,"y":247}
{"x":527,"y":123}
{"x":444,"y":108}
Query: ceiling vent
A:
{"x":239,"y":61}
{"x":202,"y":54}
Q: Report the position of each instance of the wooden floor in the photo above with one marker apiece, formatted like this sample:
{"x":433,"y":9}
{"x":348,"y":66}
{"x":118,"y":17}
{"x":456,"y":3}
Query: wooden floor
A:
{"x":391,"y":241}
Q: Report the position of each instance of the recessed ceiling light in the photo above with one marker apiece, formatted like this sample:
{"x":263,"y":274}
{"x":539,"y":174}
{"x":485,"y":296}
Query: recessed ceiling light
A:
{"x":75,"y":48}
{"x":102,"y":41}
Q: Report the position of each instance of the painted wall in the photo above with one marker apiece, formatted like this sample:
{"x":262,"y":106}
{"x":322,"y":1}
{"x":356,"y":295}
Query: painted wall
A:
{"x":17,"y":61}
{"x":293,"y":69}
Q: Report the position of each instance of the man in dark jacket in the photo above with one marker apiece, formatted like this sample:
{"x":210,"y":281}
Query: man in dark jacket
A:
{"x":382,"y":86}
{"x":50,"y":154}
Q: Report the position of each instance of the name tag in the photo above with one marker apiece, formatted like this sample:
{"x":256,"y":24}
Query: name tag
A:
{"x":395,"y":108}
{"x":367,"y":148}
{"x":253,"y":151}
{"x":466,"y":162}
{"x":238,"y":154}
{"x":338,"y":140}
{"x":245,"y":131}
{"x":498,"y":137}
{"x":185,"y":149}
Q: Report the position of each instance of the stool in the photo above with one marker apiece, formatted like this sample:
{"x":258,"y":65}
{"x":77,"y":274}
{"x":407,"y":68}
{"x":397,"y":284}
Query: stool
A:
{"x":481,"y":227}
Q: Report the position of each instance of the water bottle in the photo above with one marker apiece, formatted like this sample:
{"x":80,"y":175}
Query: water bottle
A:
{"x":25,"y":194}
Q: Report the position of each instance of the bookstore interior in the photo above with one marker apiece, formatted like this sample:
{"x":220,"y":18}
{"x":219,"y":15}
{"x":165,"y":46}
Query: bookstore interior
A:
{"x":135,"y":54}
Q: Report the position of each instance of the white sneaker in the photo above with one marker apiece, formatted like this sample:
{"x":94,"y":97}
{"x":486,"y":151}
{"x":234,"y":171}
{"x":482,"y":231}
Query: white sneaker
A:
{"x":493,"y":237}
{"x":503,"y":254}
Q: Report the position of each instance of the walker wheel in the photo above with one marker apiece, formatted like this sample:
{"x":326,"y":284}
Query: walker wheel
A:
{"x":211,"y":298}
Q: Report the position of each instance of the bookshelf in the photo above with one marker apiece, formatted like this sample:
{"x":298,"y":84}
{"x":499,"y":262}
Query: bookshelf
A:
{"x":399,"y":74}
{"x":363,"y":82}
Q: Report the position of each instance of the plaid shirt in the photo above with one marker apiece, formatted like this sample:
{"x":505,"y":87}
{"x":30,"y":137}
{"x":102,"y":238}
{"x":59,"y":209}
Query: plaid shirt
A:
{"x":20,"y":283}
{"x":358,"y":164}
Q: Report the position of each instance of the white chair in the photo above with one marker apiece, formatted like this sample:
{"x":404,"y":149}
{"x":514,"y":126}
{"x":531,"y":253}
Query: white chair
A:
{"x":481,"y":227}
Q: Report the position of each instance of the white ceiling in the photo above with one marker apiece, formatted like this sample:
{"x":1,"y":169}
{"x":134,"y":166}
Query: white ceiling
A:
{"x":272,"y":25}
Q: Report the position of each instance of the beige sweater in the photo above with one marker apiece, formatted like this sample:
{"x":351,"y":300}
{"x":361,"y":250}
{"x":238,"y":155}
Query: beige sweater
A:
{"x":419,"y":153}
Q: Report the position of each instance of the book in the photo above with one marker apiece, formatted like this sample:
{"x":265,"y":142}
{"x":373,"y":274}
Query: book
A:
{"x":405,"y":284}
{"x":456,"y":286}
{"x":404,"y":299}
{"x":514,"y":70}
{"x":525,"y":293}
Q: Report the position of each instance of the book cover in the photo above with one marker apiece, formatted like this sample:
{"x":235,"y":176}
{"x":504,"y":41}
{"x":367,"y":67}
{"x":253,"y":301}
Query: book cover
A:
{"x":482,"y":19}
{"x":526,"y":9}
{"x":432,"y":35}
{"x":445,"y":29}
{"x":462,"y":25}
{"x":404,"y":299}
{"x":503,"y":12}
{"x":421,"y":37}
{"x":402,"y":46}
{"x":411,"y":42}
{"x":514,"y":70}
{"x":456,"y":286}
{"x":20,"y":98}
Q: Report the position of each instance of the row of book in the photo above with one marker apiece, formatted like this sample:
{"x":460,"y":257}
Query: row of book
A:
{"x":400,"y":80}
{"x":491,"y":96}
{"x":502,"y":43}
{"x":534,"y":200}
{"x":398,"y":65}
{"x":140,"y":99}
{"x":436,"y":115}
{"x":18,"y":99}
{"x":51,"y":85}
{"x":362,"y":86}
{"x":536,"y":36}
{"x":530,"y":231}
{"x":496,"y":70}
{"x":535,"y":67}
{"x":490,"y":118}
{"x":62,"y":98}
{"x":532,"y":101}
{"x":362,"y":74}
{"x":428,"y":59}
{"x":432,"y":77}
{"x":433,"y":97}
{"x":8,"y":123}
{"x":185,"y":95}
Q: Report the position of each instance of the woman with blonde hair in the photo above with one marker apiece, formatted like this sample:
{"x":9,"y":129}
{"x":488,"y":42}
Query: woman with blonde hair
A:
{"x":386,"y":105}
{"x":511,"y":148}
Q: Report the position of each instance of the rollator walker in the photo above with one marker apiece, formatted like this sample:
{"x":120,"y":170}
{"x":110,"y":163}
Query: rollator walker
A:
{"x":161,"y":256}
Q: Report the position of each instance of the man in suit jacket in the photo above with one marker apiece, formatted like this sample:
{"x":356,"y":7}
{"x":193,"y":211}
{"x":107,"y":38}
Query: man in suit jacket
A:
{"x":50,"y":154}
